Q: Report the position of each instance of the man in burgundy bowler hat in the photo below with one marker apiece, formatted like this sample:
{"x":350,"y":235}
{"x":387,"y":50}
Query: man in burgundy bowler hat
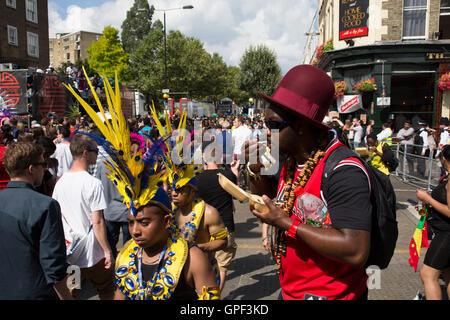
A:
{"x":322,"y":236}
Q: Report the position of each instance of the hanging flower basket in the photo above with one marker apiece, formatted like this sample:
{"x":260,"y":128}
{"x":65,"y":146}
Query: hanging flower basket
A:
{"x":444,"y":82}
{"x":320,"y":50}
{"x":340,"y":88}
{"x":365,"y":85}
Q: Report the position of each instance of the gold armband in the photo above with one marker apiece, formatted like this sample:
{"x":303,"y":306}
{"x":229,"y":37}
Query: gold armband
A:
{"x":209,"y":293}
{"x":219,"y":235}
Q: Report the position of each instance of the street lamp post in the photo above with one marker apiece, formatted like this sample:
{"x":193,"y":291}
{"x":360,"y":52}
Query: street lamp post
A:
{"x":165,"y":38}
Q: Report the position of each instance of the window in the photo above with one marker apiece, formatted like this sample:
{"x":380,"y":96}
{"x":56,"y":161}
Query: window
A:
{"x":11,"y":3}
{"x":352,"y":76}
{"x":31,"y":10}
{"x":414,"y":19}
{"x":444,"y":20}
{"x":12,"y":36}
{"x":33,"y":44}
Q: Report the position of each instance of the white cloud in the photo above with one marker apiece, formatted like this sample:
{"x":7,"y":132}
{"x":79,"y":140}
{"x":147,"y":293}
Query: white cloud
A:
{"x":92,"y":19}
{"x":227,"y":27}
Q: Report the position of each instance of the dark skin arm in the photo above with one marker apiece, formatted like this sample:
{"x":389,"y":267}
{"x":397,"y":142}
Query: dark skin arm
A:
{"x":344,"y":245}
{"x":197,"y":270}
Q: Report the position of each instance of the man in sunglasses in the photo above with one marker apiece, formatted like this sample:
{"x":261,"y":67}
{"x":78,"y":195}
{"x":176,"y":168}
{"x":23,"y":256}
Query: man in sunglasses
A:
{"x":322,"y":236}
{"x":33,"y":253}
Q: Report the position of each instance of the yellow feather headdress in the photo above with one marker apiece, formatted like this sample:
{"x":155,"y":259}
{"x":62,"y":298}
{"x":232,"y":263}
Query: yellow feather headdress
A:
{"x":137,"y":177}
{"x":178,"y":174}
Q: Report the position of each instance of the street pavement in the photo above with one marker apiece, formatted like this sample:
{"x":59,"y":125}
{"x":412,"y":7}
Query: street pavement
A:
{"x":252,"y":273}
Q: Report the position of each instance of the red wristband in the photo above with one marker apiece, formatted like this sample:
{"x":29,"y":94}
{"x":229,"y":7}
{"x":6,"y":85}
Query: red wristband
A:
{"x":292,"y":232}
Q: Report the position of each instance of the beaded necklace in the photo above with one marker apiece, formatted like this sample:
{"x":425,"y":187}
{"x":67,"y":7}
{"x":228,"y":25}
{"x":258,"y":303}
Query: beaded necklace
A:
{"x":146,"y":288}
{"x":289,"y":197}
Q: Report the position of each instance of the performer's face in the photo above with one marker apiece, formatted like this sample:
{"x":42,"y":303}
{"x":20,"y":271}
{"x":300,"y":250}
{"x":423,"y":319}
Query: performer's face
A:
{"x":183,"y":196}
{"x":296,"y":135}
{"x":149,"y":226}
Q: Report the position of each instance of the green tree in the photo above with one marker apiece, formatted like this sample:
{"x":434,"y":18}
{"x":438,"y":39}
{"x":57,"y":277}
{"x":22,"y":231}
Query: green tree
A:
{"x":146,"y":69}
{"x":233,"y":91}
{"x":190,"y":68}
{"x":187,"y":65}
{"x":137,"y":25}
{"x":106,"y":56}
{"x":260,"y":71}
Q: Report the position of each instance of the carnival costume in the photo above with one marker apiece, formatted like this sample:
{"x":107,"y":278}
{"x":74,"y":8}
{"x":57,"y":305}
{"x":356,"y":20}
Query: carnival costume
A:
{"x":180,"y":175}
{"x":139,"y":181}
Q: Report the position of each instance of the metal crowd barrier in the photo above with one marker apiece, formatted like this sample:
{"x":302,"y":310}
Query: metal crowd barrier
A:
{"x":411,"y":166}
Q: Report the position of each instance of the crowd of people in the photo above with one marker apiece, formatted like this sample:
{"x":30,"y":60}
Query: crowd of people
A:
{"x":72,"y":186}
{"x":417,"y":140}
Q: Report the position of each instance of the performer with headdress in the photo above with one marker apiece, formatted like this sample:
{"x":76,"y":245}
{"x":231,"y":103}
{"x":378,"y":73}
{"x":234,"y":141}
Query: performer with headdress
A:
{"x":197,"y":222}
{"x":155,"y":264}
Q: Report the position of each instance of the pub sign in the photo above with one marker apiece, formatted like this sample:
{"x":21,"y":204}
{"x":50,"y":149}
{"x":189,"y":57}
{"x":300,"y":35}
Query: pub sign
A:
{"x":353,"y":18}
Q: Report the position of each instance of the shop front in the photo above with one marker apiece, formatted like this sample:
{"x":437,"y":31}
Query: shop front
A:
{"x":406,"y":75}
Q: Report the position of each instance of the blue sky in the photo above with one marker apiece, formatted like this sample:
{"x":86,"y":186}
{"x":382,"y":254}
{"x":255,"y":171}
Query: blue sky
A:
{"x":227,"y":27}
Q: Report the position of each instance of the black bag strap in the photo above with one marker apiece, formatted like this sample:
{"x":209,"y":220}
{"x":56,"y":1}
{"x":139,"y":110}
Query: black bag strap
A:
{"x":337,"y":156}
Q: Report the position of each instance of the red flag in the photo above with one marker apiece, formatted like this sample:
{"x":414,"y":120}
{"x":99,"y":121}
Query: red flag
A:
{"x":419,"y":240}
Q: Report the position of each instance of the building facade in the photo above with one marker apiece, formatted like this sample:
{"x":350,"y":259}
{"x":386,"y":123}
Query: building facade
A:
{"x":70,"y":47}
{"x":403,"y":44}
{"x":24,"y":33}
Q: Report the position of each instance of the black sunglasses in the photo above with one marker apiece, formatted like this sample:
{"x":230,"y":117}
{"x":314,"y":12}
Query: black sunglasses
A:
{"x":277,"y":125}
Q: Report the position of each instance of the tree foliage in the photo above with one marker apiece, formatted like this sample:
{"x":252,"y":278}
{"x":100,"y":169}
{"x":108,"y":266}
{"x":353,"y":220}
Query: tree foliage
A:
{"x":190,"y":69}
{"x":106,"y":56}
{"x":146,"y":69}
{"x":137,"y":25}
{"x":260,"y":71}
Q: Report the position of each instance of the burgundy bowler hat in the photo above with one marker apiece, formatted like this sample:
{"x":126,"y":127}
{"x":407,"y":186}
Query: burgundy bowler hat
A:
{"x":306,"y":91}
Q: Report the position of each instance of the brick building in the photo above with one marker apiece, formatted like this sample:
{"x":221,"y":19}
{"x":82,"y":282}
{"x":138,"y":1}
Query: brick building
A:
{"x":24,"y":33}
{"x":71,"y":47}
{"x":403,"y":44}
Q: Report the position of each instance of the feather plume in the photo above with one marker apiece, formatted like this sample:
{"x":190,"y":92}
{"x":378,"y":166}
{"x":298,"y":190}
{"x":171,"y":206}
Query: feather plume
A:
{"x":135,"y":177}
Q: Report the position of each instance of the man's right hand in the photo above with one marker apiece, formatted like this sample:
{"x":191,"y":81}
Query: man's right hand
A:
{"x":109,"y":260}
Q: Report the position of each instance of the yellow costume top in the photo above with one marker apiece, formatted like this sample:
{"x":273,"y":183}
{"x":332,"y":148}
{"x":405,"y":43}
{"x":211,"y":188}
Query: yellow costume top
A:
{"x":190,"y":228}
{"x":163,"y":283}
{"x":375,"y":159}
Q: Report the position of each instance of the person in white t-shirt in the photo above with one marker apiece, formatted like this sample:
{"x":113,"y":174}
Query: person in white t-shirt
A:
{"x":62,"y":152}
{"x":82,"y":202}
{"x":358,"y":133}
{"x":239,"y":135}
